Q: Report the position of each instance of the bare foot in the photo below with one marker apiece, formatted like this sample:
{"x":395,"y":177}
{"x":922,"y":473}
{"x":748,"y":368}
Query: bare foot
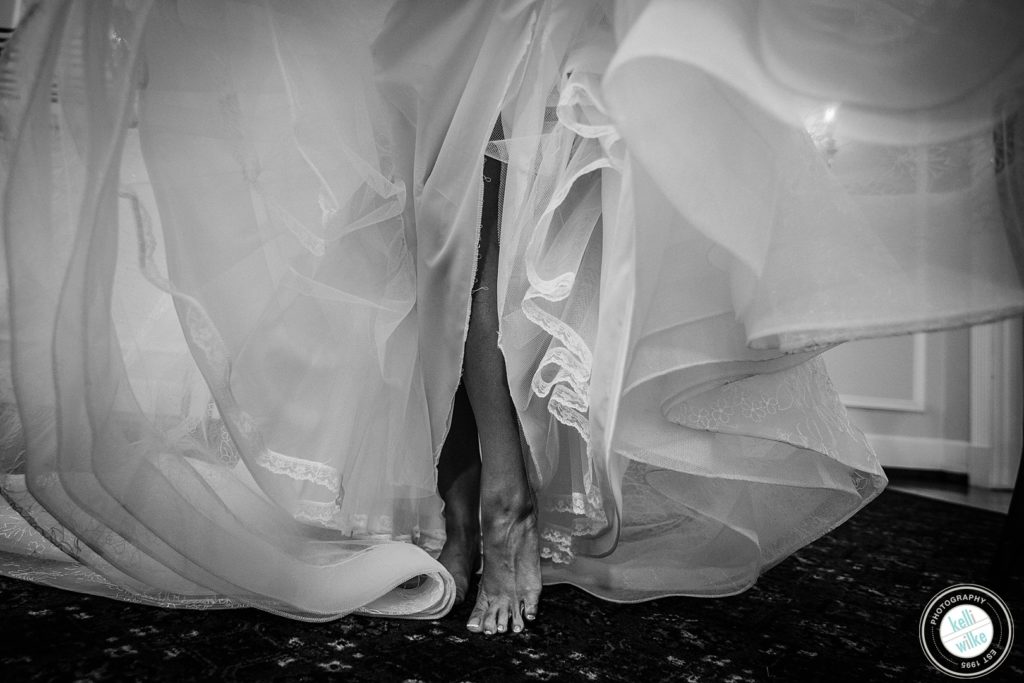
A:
{"x":458,"y":480}
{"x":510,"y":586}
{"x":511,"y":583}
{"x":461,"y":556}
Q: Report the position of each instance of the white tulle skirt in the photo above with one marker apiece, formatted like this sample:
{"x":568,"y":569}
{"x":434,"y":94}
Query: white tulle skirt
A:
{"x":240,"y":242}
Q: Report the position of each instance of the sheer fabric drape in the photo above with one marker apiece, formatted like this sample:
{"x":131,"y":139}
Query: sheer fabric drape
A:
{"x":240,"y":239}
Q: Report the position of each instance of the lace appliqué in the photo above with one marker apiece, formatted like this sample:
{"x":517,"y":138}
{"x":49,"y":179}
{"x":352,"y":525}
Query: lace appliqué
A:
{"x":799,"y":406}
{"x":298,"y":469}
{"x":556,"y":545}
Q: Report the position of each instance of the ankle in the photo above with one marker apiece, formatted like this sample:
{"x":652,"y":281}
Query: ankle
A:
{"x":506,"y":505}
{"x":461,"y":519}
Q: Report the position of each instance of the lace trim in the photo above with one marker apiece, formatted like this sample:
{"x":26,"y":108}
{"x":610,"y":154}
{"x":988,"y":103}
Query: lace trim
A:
{"x":364,"y":527}
{"x":580,"y":107}
{"x":317,"y":512}
{"x":590,"y":526}
{"x":588,"y":505}
{"x":555,"y":327}
{"x":558,"y":546}
{"x":376,"y":526}
{"x":16,"y":531}
{"x":589,"y":519}
{"x":569,"y":370}
{"x":569,"y":389}
{"x":803,"y":410}
{"x":582,"y":119}
{"x":301,"y":470}
{"x":210,"y":351}
{"x":561,"y":408}
{"x":227,"y":452}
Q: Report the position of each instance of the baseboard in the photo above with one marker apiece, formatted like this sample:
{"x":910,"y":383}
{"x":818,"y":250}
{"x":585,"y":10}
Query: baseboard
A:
{"x":921,"y":453}
{"x":959,"y":458}
{"x":913,"y":476}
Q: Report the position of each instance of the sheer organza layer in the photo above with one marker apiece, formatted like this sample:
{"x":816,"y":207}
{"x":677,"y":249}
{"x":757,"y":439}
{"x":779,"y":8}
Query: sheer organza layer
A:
{"x":240,"y":242}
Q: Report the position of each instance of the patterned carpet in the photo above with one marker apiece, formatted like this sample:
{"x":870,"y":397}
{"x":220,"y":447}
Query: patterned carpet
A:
{"x":843,"y":609}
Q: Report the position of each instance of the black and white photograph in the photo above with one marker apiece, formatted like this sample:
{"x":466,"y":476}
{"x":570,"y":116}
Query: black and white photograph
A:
{"x":511,"y":340}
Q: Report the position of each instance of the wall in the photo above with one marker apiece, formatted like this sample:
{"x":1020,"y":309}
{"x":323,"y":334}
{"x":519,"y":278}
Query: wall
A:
{"x":947,"y":401}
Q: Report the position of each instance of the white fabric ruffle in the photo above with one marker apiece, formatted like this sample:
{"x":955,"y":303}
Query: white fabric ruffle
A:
{"x":240,"y":239}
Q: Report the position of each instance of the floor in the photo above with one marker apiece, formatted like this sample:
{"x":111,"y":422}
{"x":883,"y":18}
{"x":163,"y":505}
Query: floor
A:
{"x":844,"y":609}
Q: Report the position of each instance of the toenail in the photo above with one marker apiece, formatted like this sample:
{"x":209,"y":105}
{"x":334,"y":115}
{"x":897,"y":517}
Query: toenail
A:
{"x":517,"y":629}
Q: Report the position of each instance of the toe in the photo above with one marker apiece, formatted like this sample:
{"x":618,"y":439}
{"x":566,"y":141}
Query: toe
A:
{"x":530,"y":605}
{"x":517,"y":618}
{"x":490,"y":622}
{"x":476,"y":617}
{"x":501,"y":615}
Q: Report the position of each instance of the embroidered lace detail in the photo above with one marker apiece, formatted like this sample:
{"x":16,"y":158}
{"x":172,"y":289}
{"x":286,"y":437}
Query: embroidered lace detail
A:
{"x":12,"y":437}
{"x":14,"y":489}
{"x":563,"y":374}
{"x":588,"y":519}
{"x":16,"y":531}
{"x":569,"y":388}
{"x":803,"y":409}
{"x":53,"y":556}
{"x":556,"y":545}
{"x":301,"y":470}
{"x":588,"y":503}
{"x":212,"y":358}
{"x":562,"y":406}
{"x":569,"y":354}
{"x":317,"y":512}
{"x":227,"y":452}
{"x":57,"y":557}
{"x":651,"y":513}
{"x":364,"y":527}
{"x":569,"y":369}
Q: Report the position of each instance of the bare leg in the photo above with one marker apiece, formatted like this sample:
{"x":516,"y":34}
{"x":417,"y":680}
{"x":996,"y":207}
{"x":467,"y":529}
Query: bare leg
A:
{"x":511,"y":582}
{"x":458,"y":479}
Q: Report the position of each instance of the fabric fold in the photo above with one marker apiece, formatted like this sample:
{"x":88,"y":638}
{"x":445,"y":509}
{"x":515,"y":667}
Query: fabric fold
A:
{"x":239,"y":247}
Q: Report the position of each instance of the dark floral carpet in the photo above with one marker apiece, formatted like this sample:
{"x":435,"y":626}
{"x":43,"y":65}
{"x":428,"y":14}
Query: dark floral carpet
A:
{"x":844,"y":608}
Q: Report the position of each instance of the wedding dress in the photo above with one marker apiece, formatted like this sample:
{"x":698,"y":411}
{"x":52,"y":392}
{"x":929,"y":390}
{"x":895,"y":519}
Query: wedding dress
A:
{"x":240,"y":240}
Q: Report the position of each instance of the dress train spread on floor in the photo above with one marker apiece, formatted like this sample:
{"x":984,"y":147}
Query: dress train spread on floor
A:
{"x":240,"y":240}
